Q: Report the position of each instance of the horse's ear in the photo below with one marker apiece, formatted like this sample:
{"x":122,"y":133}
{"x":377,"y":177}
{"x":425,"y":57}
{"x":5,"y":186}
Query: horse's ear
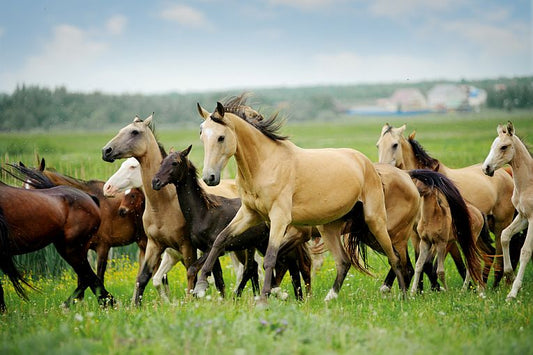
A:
{"x":412,"y":135}
{"x":42,"y":165}
{"x":171,"y":150}
{"x":220,"y":109}
{"x":186,"y":151}
{"x":137,"y":119}
{"x":402,"y":129}
{"x":385,"y":128}
{"x":202,"y":111}
{"x":22,"y":164}
{"x":148,"y":120}
{"x":510,"y":128}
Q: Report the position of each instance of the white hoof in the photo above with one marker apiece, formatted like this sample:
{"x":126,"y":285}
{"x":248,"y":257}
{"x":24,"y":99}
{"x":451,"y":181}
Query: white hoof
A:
{"x":279,"y":293}
{"x":331,"y":296}
{"x":384,"y":289}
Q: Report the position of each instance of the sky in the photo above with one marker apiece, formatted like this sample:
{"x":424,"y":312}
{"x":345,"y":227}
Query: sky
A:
{"x":163,"y":46}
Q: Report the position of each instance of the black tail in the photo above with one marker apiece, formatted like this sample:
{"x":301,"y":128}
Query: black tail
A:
{"x":358,"y":238}
{"x":460,"y":217}
{"x":7,"y":265}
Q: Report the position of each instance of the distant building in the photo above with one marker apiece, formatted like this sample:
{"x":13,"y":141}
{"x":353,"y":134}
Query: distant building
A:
{"x":445,"y":97}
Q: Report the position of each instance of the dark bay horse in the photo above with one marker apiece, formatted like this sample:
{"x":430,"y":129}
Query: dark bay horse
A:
{"x":206,"y":215}
{"x":32,"y":219}
{"x":116,"y":228}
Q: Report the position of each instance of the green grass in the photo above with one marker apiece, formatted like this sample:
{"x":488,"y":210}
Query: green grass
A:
{"x":360,"y":321}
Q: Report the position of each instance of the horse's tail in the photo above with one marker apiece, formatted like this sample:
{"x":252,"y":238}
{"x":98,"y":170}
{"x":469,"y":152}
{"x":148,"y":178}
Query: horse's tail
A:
{"x":460,"y":217}
{"x":357,"y":236}
{"x":7,"y":264}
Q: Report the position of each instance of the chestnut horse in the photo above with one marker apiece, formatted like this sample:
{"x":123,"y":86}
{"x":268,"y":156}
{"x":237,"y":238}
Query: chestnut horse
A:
{"x":286,"y":185}
{"x":445,"y":218}
{"x":492,"y":196}
{"x":32,"y":219}
{"x":507,"y":148}
{"x":116,"y":229}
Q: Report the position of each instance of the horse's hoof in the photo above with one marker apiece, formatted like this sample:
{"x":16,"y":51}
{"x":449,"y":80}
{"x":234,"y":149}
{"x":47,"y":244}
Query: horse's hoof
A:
{"x":384,"y":289}
{"x":331,"y":296}
{"x":200,"y":288}
{"x":261,"y":303}
{"x":279,"y":293}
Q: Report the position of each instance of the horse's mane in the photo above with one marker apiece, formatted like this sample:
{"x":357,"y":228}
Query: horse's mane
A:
{"x":268,"y":126}
{"x":422,"y":157}
{"x":80,"y":184}
{"x":30,"y":176}
{"x":151,"y":126}
{"x":211,"y":201}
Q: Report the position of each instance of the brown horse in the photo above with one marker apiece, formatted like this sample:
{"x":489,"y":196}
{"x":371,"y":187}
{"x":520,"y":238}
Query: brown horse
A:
{"x":444,"y":219}
{"x":492,"y":196}
{"x":116,"y":228}
{"x":33,"y":219}
{"x":286,"y":185}
{"x":508,"y":148}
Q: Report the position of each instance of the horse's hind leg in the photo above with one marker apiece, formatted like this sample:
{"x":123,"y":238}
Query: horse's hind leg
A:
{"x":519,"y":223}
{"x":525,"y":256}
{"x":453,"y":250}
{"x":102,"y":252}
{"x":169,"y":259}
{"x":331,"y":236}
{"x":76,"y":256}
{"x":152,"y":257}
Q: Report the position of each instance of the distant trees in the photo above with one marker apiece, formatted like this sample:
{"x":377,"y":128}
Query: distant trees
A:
{"x":37,"y":108}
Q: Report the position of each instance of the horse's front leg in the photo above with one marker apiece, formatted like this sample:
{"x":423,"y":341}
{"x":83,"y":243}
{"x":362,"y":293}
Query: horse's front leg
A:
{"x":151,"y":259}
{"x":441,"y":256}
{"x":243,"y":220}
{"x":525,"y":256}
{"x":519,"y":224}
{"x":424,"y":249}
{"x":102,"y":252}
{"x":170,"y":258}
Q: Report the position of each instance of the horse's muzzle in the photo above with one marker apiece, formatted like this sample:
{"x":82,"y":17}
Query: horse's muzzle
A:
{"x":107,"y":154}
{"x":157,"y":184}
{"x":488,"y":170}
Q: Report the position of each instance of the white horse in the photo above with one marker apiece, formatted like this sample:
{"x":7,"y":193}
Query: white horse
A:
{"x":127,"y":177}
{"x":507,"y":148}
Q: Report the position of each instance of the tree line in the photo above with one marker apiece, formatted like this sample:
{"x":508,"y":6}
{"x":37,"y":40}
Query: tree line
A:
{"x":41,"y":108}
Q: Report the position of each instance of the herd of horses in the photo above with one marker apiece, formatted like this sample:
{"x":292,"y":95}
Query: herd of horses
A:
{"x":282,"y":197}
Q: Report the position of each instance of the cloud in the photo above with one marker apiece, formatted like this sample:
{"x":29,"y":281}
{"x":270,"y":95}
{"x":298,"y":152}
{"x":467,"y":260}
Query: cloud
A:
{"x":64,"y":59}
{"x":116,"y":24}
{"x":185,"y":16}
{"x":395,"y":9}
{"x":305,"y":4}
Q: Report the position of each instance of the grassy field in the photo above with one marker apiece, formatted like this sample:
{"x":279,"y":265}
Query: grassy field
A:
{"x":361,"y":320}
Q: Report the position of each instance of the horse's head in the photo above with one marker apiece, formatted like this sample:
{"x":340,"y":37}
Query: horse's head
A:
{"x":173,"y":169}
{"x":131,"y":141}
{"x":128,"y":176}
{"x":132,"y":202}
{"x":388,"y":144}
{"x":220,"y":143}
{"x":502,"y":150}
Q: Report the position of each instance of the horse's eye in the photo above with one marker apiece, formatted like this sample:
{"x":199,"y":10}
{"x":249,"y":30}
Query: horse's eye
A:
{"x":503,"y":148}
{"x":174,"y":163}
{"x":134,"y":132}
{"x":221,"y":139}
{"x":395,"y":146}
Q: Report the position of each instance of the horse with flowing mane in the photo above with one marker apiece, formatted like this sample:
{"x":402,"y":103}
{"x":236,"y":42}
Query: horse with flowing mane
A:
{"x":492,"y":196}
{"x":284,"y":185}
{"x":507,"y":148}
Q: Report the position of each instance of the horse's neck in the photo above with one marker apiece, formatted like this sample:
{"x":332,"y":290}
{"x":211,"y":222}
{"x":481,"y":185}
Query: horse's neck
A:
{"x":253,"y":148}
{"x":522,"y":165}
{"x":409,"y":159}
{"x":191,"y":199}
{"x":150,"y":163}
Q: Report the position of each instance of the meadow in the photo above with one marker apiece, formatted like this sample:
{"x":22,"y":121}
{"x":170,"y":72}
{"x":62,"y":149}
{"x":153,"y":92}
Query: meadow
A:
{"x":361,"y":320}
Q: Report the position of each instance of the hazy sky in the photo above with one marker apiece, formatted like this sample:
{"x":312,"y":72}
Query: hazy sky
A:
{"x":162,"y":46}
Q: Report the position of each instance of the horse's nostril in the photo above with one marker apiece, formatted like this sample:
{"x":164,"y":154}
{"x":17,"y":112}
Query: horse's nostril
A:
{"x":108,"y":150}
{"x":212,"y":177}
